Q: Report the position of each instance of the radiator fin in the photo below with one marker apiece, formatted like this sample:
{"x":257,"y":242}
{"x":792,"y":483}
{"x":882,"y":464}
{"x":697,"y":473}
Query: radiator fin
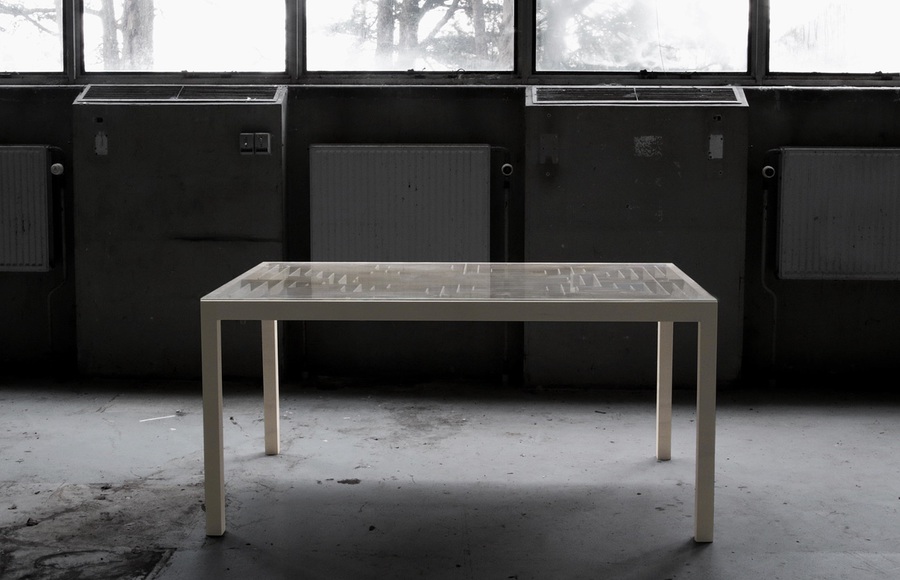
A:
{"x":839,"y":214}
{"x":24,"y":209}
{"x":400,"y":202}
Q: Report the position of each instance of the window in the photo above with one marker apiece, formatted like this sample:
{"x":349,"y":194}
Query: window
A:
{"x":823,"y":39}
{"x":833,"y":36}
{"x":30,"y":36}
{"x":184,"y":35}
{"x":410,"y":35}
{"x":663,"y":36}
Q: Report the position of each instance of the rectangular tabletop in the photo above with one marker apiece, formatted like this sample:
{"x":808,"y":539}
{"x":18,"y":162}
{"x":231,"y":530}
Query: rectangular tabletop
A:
{"x":582,"y":292}
{"x":461,"y":291}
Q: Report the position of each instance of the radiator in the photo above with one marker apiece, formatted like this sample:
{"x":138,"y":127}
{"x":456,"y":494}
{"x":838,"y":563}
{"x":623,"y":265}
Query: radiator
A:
{"x":25,"y":201}
{"x":400,"y":202}
{"x":839,"y":214}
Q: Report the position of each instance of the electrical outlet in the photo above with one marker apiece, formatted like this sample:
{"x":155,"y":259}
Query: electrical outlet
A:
{"x":247,"y":143}
{"x":263,"y":143}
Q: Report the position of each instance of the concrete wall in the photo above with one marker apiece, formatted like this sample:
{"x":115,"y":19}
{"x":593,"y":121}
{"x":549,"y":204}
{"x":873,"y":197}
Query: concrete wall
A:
{"x":803,"y":327}
{"x":831,"y":327}
{"x":37,"y":310}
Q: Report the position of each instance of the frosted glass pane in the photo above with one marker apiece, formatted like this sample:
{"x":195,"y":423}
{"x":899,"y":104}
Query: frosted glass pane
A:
{"x":184,"y":35}
{"x":631,"y":35}
{"x":30,"y":39}
{"x":472,"y":281}
{"x":385,"y":35}
{"x":834,"y":36}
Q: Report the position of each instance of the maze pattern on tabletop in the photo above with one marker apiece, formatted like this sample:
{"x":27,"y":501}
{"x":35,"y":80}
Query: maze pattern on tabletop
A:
{"x":463,"y":281}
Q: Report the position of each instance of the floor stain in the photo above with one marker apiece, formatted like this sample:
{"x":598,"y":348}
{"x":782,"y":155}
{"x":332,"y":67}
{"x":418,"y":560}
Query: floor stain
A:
{"x":78,"y":533}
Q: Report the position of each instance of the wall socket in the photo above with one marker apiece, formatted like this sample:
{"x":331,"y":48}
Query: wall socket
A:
{"x":256,"y":143}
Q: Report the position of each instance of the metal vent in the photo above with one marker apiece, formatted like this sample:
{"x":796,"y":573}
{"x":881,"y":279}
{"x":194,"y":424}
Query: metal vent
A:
{"x":227,"y":93}
{"x":177,"y":93}
{"x":581,"y":94}
{"x":618,"y":95}
{"x":129,"y":92}
{"x":687,"y":94}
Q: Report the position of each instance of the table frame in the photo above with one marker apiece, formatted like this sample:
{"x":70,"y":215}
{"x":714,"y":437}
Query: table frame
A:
{"x":665,"y":313}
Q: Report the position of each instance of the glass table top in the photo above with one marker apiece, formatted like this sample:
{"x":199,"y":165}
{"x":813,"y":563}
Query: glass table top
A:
{"x":496,"y":281}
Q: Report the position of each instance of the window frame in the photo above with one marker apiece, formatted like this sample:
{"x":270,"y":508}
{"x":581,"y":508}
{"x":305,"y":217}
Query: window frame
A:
{"x":769,"y":78}
{"x":79,"y":75}
{"x":655,"y":77}
{"x":54,"y":77}
{"x":523,"y":73}
{"x":305,"y":76}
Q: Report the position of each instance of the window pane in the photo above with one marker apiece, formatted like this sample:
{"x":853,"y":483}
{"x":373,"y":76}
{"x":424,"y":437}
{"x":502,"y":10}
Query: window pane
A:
{"x":833,"y":36}
{"x":393,"y":35}
{"x":631,"y":35}
{"x":30,"y":39}
{"x":184,"y":35}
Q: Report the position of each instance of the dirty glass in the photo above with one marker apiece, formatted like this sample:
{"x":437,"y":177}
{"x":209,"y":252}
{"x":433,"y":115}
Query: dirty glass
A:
{"x":833,"y":36}
{"x":662,"y":36}
{"x":184,"y":35}
{"x":414,"y":35}
{"x":30,"y":36}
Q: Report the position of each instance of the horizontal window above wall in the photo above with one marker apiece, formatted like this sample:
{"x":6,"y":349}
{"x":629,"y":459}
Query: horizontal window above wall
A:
{"x":833,"y":36}
{"x":31,"y":37}
{"x":430,"y":36}
{"x":184,"y":35}
{"x":450,"y":42}
{"x":659,"y":36}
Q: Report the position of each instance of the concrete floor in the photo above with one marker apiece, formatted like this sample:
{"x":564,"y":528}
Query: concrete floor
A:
{"x":103,"y":479}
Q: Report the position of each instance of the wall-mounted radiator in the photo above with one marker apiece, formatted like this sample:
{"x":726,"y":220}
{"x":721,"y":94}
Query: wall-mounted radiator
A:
{"x":400,"y":202}
{"x":839,"y":213}
{"x":25,"y":203}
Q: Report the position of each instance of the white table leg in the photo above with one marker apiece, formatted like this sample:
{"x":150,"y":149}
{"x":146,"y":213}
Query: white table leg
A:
{"x":664,"y":391}
{"x":706,"y":429}
{"x":270,"y":385}
{"x":213,"y":450}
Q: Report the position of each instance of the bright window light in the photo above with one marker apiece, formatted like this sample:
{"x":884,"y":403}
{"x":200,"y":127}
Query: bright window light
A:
{"x":30,"y":38}
{"x":184,"y":35}
{"x":388,"y":35}
{"x":662,"y":36}
{"x":833,"y":36}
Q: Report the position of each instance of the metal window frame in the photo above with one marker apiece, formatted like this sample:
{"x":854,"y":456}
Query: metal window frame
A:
{"x":77,"y":73}
{"x":523,"y":72}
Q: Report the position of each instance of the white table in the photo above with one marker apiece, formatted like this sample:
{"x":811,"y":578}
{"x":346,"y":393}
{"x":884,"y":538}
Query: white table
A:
{"x":528,"y":292}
